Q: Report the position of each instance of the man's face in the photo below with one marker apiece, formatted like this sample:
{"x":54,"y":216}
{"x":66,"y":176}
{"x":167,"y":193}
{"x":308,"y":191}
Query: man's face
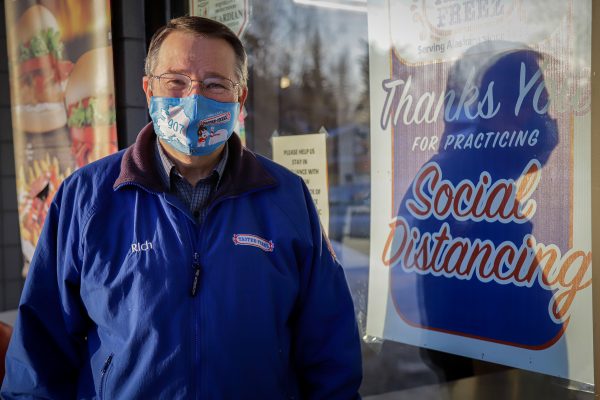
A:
{"x":199,"y":58}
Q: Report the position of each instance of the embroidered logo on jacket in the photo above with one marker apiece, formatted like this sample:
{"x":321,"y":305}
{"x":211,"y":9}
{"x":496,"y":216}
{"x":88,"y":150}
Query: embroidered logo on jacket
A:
{"x":242,"y":239}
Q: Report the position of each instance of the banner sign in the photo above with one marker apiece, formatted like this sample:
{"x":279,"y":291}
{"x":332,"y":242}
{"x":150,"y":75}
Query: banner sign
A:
{"x":480,"y":221}
{"x":233,"y":13}
{"x":62,"y":98}
{"x":306,"y":155}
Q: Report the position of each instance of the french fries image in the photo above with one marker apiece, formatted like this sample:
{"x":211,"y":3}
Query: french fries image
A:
{"x":36,"y":188}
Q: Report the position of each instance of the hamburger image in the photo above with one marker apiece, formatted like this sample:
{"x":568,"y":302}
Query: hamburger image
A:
{"x":42,"y":72}
{"x":89,"y":98}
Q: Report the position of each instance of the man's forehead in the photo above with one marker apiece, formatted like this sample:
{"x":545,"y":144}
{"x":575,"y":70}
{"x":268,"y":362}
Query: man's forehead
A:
{"x":183,"y":52}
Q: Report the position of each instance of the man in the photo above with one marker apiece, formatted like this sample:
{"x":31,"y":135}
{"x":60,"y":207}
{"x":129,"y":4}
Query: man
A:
{"x":185,"y":267}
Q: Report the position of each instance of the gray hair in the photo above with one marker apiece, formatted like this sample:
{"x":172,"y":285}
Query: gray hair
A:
{"x":201,"y":27}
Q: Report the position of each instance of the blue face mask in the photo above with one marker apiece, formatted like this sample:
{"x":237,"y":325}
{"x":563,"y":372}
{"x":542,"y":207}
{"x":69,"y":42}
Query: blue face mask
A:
{"x":194,"y":125}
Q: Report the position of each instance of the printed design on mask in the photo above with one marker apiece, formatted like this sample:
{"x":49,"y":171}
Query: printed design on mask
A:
{"x":217,"y":119}
{"x":210,"y":136}
{"x":174,"y":123}
{"x":243,"y":239}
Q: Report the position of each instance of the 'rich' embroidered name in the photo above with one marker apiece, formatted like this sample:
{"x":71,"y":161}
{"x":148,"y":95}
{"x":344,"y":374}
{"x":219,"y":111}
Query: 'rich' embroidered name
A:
{"x":137,"y":247}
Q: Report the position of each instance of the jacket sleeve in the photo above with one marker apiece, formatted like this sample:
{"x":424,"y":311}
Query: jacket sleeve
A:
{"x":45,"y":350}
{"x":326,"y":345}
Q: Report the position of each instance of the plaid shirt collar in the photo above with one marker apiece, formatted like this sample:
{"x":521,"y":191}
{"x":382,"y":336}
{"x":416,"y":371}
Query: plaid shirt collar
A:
{"x":169,"y":169}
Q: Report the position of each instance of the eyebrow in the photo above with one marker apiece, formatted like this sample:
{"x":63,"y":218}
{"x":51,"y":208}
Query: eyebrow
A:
{"x":176,"y":71}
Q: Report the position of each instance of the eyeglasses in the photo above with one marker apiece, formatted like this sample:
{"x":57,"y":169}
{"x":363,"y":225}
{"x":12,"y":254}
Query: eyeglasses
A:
{"x":180,"y":85}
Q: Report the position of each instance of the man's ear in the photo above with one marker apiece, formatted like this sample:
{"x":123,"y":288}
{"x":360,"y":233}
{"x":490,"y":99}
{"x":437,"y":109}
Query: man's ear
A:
{"x":147,"y":89}
{"x":242,"y":97}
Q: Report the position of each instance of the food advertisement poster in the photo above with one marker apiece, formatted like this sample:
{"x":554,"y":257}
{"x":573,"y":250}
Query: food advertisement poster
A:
{"x":306,"y":155}
{"x":62,"y":98}
{"x":481,"y":201}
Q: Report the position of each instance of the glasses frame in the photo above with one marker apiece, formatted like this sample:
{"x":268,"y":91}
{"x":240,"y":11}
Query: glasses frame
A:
{"x":203,"y":88}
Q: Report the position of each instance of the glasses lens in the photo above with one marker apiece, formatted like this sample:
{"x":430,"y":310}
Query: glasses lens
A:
{"x":175,"y":84}
{"x":217,"y":86}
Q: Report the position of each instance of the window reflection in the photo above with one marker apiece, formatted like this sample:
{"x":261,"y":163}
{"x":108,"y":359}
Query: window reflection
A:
{"x":309,"y":69}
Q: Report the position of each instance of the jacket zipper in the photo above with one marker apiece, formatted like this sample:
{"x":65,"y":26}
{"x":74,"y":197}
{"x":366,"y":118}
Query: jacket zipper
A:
{"x":197,"y":269}
{"x":196,"y":316}
{"x":103,"y":374}
{"x":197,"y":376}
{"x":196,"y":310}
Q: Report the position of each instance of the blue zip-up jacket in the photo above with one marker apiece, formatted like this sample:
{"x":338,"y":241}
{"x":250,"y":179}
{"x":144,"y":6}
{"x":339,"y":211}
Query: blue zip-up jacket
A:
{"x":129,"y":298}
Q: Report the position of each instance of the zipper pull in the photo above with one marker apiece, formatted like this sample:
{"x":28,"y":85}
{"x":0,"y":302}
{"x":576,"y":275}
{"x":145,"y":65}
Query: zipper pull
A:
{"x":196,"y":281}
{"x":106,"y":364}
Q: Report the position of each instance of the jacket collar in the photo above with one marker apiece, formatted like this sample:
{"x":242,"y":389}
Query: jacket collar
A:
{"x":243,"y":172}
